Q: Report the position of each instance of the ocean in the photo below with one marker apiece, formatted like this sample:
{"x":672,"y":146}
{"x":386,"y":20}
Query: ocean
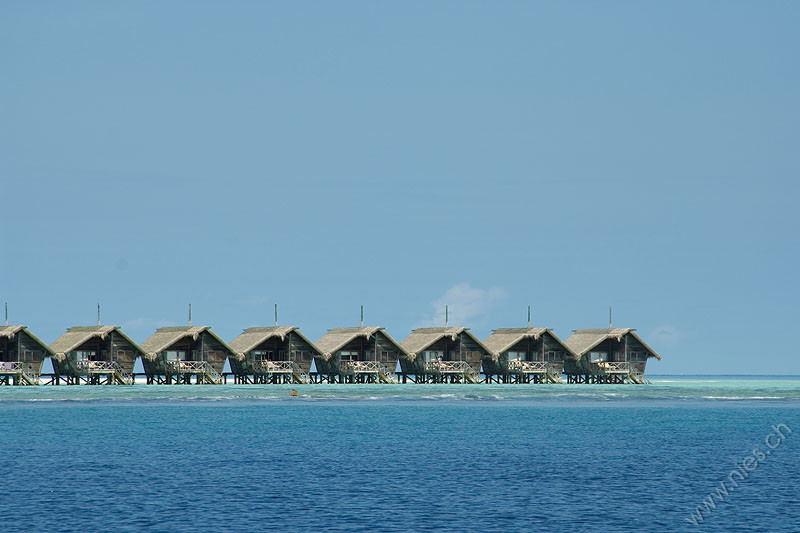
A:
{"x":691,"y":453}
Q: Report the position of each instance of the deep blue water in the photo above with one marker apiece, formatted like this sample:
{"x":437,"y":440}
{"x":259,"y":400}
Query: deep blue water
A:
{"x":399,"y":458}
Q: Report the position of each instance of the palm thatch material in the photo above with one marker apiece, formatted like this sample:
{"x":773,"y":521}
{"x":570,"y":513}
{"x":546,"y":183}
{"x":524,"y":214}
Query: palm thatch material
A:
{"x":337,"y":338}
{"x":423,"y":338}
{"x":503,"y":339}
{"x":75,"y":337}
{"x":9,"y":332}
{"x":163,"y":338}
{"x":251,"y":338}
{"x":583,"y":340}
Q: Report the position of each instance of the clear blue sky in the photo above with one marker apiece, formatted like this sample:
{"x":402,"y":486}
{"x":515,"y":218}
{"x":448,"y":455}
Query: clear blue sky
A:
{"x":407,"y":155}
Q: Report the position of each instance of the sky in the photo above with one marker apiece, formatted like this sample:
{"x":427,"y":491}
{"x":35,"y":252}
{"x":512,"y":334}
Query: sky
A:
{"x":405,"y":156}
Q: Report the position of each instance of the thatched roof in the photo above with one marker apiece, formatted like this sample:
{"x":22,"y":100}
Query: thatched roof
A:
{"x":10,"y":331}
{"x":76,"y":336}
{"x":583,"y":340}
{"x":336,"y":338}
{"x":252,"y":337}
{"x":422,"y":338}
{"x":504,"y":339}
{"x":163,"y":338}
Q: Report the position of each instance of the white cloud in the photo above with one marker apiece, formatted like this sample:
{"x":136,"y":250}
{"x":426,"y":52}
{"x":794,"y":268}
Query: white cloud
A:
{"x":468,"y":305}
{"x":665,"y":335}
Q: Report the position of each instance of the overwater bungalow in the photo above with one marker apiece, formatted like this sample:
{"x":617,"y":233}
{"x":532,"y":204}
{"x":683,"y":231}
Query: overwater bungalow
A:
{"x":365,"y":354}
{"x":442,"y":355}
{"x":21,"y":356}
{"x":607,"y":355}
{"x":525,"y":355}
{"x":279,"y":354}
{"x":185,"y":354}
{"x":94,"y":355}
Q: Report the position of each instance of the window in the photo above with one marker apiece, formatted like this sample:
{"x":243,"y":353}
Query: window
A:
{"x":432,"y":355}
{"x":84,"y":355}
{"x":27,"y":356}
{"x":298,"y":354}
{"x":195,"y":355}
{"x":384,"y":356}
{"x":638,"y":357}
{"x":598,"y":357}
{"x":515,"y":356}
{"x":174,"y":355}
{"x":348,"y":356}
{"x":262,"y":355}
{"x":555,"y":357}
{"x":121,"y":353}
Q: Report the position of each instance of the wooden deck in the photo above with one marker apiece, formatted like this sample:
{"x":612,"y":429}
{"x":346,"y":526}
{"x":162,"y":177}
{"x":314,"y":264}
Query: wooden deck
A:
{"x":273,"y":373}
{"x":15,"y":373}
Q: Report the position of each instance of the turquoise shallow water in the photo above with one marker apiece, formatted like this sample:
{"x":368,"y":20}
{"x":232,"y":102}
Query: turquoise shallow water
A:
{"x":400,"y":457}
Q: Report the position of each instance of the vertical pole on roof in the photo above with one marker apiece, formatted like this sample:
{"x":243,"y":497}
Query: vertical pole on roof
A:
{"x":6,"y":313}
{"x":609,"y":317}
{"x":190,"y":314}
{"x":362,"y":316}
{"x":98,"y":314}
{"x":446,"y":315}
{"x":276,"y":315}
{"x":529,"y":317}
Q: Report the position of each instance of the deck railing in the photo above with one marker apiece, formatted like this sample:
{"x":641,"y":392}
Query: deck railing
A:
{"x":17,"y":368}
{"x":367,"y":367}
{"x":448,"y":367}
{"x":552,"y":370}
{"x":275,"y":367}
{"x":621,"y":367}
{"x":11,"y":367}
{"x":199,"y":368}
{"x":98,"y":367}
{"x":109,"y":368}
{"x":527,"y":367}
{"x":614,"y":367}
{"x":362,"y":367}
